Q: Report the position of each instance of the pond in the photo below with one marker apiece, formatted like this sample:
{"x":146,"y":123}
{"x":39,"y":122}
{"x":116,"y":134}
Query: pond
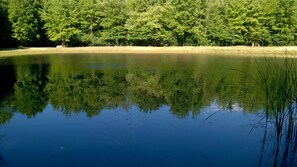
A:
{"x":147,"y":110}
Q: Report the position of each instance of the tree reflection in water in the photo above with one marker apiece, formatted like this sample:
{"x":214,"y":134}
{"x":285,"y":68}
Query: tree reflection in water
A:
{"x":72,"y":89}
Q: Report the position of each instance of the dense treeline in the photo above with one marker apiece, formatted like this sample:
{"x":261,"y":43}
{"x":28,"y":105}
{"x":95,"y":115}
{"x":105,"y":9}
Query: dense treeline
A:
{"x":148,"y":22}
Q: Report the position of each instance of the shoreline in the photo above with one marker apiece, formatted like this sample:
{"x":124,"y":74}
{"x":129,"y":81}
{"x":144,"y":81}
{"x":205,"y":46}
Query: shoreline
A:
{"x":200,"y":50}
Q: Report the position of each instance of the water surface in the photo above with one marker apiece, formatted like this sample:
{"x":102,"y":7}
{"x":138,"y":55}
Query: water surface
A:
{"x":142,"y":110}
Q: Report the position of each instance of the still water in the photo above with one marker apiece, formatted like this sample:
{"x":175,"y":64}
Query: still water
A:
{"x":147,"y":110}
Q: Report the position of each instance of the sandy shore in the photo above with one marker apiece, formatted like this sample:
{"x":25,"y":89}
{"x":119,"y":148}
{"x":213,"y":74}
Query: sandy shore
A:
{"x":232,"y":51}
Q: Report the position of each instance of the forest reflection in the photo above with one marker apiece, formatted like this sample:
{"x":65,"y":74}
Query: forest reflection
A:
{"x":80,"y":84}
{"x":72,"y":89}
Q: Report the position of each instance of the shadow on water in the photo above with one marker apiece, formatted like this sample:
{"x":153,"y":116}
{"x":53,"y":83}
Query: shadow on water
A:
{"x":278,"y":78}
{"x":3,"y":162}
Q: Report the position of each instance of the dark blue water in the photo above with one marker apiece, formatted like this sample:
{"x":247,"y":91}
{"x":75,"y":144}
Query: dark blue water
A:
{"x":136,"y":110}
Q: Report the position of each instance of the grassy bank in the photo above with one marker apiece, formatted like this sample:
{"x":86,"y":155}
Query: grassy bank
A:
{"x":232,"y":51}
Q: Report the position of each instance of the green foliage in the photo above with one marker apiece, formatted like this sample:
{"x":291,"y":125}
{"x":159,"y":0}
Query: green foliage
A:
{"x":147,"y":28}
{"x":284,"y":25}
{"x":151,"y":22}
{"x":23,"y":14}
{"x":113,"y":22}
{"x":183,"y":21}
{"x":61,"y":20}
{"x":217,"y":31}
{"x":89,"y":19}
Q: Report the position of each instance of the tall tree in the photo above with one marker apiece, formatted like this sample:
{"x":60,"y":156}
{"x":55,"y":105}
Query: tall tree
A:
{"x":114,"y":18}
{"x":146,"y":26}
{"x":258,"y":33}
{"x":283,"y":24}
{"x":236,"y":14}
{"x":24,"y":17}
{"x":183,"y":20}
{"x":61,"y":20}
{"x":216,"y":27}
{"x":89,"y":20}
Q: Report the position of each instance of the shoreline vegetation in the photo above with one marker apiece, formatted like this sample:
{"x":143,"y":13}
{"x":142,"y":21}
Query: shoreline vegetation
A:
{"x":290,"y":51}
{"x":47,"y":23}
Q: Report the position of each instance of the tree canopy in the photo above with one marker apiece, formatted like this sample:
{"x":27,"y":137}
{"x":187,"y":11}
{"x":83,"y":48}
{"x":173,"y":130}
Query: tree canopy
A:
{"x":149,"y":22}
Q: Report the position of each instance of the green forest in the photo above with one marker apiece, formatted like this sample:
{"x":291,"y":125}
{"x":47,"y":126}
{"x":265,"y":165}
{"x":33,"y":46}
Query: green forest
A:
{"x":148,"y":22}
